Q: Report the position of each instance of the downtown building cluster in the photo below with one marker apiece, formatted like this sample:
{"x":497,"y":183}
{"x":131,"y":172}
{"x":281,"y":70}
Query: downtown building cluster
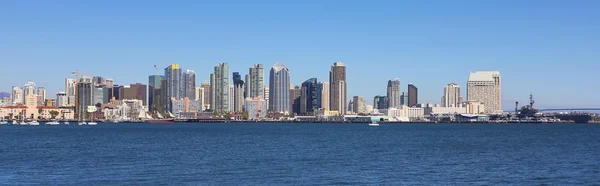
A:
{"x":177,"y":94}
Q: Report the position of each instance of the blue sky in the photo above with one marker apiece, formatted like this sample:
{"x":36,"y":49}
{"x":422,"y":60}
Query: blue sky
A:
{"x":546,"y":47}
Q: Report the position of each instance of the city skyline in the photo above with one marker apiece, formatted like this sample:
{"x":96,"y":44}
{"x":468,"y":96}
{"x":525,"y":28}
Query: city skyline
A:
{"x":416,"y":43}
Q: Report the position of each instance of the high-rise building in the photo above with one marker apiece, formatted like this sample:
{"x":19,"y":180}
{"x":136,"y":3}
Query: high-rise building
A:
{"x":452,"y":96}
{"x":393,"y":93}
{"x":41,"y":95}
{"x":295,"y":99}
{"x":98,"y":80}
{"x":338,"y":88}
{"x":279,"y":94}
{"x":108,"y":82}
{"x":231,"y":97}
{"x":61,"y":99}
{"x":413,"y":95}
{"x":360,"y":105}
{"x":255,"y":81}
{"x":404,"y":99}
{"x":238,"y":93}
{"x":70,"y":88}
{"x":308,"y":97}
{"x":133,"y":91}
{"x":485,"y":87}
{"x":267,"y":94}
{"x":380,"y":102}
{"x":206,"y":95}
{"x":173,"y":86}
{"x":83,"y":99}
{"x":98,"y":95}
{"x":154,"y":90}
{"x":323,"y":95}
{"x":189,"y":84}
{"x":212,"y":92}
{"x":221,"y":88}
{"x":114,"y":92}
{"x":17,"y":96}
{"x":29,"y":88}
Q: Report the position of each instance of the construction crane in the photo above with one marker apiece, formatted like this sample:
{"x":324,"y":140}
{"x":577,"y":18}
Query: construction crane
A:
{"x":77,"y":73}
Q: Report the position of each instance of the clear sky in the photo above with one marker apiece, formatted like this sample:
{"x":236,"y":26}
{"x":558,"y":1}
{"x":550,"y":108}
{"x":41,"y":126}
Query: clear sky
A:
{"x":550,"y":48}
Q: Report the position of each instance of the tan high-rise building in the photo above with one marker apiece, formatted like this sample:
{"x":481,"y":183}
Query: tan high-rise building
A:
{"x":323,"y":89}
{"x":485,"y":87}
{"x":338,"y":88}
{"x":206,"y":90}
{"x":452,"y":96}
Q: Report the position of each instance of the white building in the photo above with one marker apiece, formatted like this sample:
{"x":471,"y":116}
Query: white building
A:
{"x":359,"y":105}
{"x":266,"y":95}
{"x":404,"y":114}
{"x":452,"y":96}
{"x":475,"y":107}
{"x":70,"y":91}
{"x":17,"y":95}
{"x":256,"y":108}
{"x":444,"y":110}
{"x":484,"y":86}
{"x":61,"y":99}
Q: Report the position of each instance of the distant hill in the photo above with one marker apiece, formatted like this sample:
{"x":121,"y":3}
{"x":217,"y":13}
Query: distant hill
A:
{"x":4,"y":94}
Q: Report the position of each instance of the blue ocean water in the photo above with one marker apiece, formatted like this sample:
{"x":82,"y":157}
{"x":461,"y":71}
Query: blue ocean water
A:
{"x":301,"y":154}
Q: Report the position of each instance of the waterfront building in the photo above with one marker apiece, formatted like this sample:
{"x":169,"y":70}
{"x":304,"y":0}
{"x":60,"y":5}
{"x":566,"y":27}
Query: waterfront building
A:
{"x":188,"y":84}
{"x":485,"y":87}
{"x":154,"y":93}
{"x":255,"y":108}
{"x":338,"y":88}
{"x":238,"y":92}
{"x":308,"y":97}
{"x":255,"y":81}
{"x":206,"y":95}
{"x":221,"y":88}
{"x":452,"y":96}
{"x":279,"y":84}
{"x":83,"y":100}
{"x":323,"y":95}
{"x":294,"y":102}
{"x":393,"y":93}
{"x":173,"y":84}
{"x":413,"y":95}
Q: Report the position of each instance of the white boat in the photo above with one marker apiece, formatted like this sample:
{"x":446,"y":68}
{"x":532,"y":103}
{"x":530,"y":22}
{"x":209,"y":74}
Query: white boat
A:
{"x":53,"y":123}
{"x":66,"y":123}
{"x":15,"y":122}
{"x":92,"y":123}
{"x":374,"y":124}
{"x":34,"y":122}
{"x":3,"y":122}
{"x":82,"y":123}
{"x":23,"y":123}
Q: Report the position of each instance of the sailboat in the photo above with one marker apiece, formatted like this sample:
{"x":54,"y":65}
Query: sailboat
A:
{"x":3,"y":122}
{"x":160,"y":120}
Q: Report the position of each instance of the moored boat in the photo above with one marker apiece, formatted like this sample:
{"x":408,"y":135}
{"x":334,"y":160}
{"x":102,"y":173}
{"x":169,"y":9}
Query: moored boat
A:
{"x":161,"y":121}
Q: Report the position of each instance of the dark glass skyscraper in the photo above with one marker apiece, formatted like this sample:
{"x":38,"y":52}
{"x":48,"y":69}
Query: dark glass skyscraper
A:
{"x":413,"y":95}
{"x":154,"y":89}
{"x":308,"y":97}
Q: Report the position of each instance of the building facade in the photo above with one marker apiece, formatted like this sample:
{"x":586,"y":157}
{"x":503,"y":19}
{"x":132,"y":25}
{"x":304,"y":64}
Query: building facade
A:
{"x":189,"y":84}
{"x":308,"y":97}
{"x":323,"y":96}
{"x":173,"y":84}
{"x":221,"y":88}
{"x":338,"y":88}
{"x":255,"y":81}
{"x":359,"y":105}
{"x":279,"y":83}
{"x":238,"y":93}
{"x":393,"y":93}
{"x":154,"y":93}
{"x":484,"y":87}
{"x":452,"y":96}
{"x":413,"y":95}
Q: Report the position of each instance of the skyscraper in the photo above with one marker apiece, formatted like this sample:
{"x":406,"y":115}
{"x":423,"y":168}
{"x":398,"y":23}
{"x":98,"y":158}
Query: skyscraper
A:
{"x":238,"y":92}
{"x":413,"y":95}
{"x":267,"y":94}
{"x":154,"y":90}
{"x":393,"y":93}
{"x":29,"y":88}
{"x":41,"y":95}
{"x":98,"y":80}
{"x":108,"y":82}
{"x":295,"y":99}
{"x":61,"y":99}
{"x":380,"y":102}
{"x":279,"y":84}
{"x":451,"y":96}
{"x":200,"y":98}
{"x":17,"y":95}
{"x":189,"y":84}
{"x":70,"y":89}
{"x":323,"y":96}
{"x":221,"y":88}
{"x":308,"y":97}
{"x":231,"y":97}
{"x":360,"y":105}
{"x":212,"y":92}
{"x":404,"y":99}
{"x":173,"y":86}
{"x":255,"y":81}
{"x":484,"y":86}
{"x":83,"y":99}
{"x":206,"y":95}
{"x":337,"y":80}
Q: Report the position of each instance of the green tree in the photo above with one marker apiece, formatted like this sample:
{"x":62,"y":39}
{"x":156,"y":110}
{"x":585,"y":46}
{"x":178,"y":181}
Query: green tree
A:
{"x":54,"y":113}
{"x":245,"y":115}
